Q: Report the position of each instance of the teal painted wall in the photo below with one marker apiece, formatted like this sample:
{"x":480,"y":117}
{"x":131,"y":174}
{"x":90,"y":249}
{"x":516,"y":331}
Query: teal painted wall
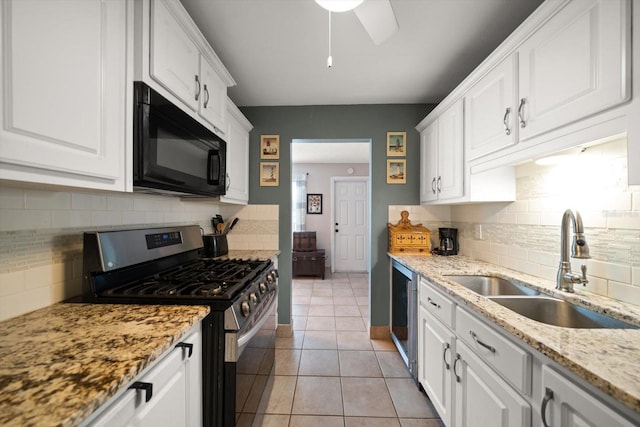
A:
{"x":339,"y":122}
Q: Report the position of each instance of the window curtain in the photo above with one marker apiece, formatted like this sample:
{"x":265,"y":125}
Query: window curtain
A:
{"x":299,"y":202}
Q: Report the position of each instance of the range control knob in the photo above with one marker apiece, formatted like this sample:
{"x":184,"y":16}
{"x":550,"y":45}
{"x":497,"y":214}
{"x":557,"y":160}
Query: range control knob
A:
{"x":245,"y":308}
{"x":253,"y":298}
{"x":271,"y":278}
{"x":275,"y":273}
{"x":263,"y":287}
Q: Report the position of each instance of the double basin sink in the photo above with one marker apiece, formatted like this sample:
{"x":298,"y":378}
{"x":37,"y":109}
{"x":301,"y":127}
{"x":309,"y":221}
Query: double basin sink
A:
{"x":530,"y":303}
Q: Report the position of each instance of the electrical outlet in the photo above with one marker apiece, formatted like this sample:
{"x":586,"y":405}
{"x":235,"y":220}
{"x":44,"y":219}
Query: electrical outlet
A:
{"x":477,"y":232}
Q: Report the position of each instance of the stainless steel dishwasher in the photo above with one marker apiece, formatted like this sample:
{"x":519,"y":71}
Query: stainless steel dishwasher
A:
{"x":404,"y":314}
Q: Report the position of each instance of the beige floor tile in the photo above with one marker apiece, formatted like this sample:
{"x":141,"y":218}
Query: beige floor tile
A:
{"x":360,"y":284}
{"x":343,"y":292}
{"x":346,"y":310}
{"x":345,"y":301}
{"x":364,"y":310}
{"x":408,"y":400}
{"x":366,"y":397}
{"x":267,"y":420}
{"x":321,"y":323}
{"x":392,"y":364}
{"x":420,"y":422}
{"x":321,"y":300}
{"x":321,"y":310}
{"x":371,"y":422}
{"x":318,"y":396}
{"x":301,"y":299}
{"x":359,"y":363}
{"x":287,"y":362}
{"x":341,"y":286}
{"x":350,"y":324}
{"x":383,"y":345}
{"x":361,"y":292}
{"x":278,"y":396}
{"x":300,"y":310}
{"x":319,"y":363}
{"x":349,"y":340}
{"x":360,"y":300}
{"x":315,"y":421}
{"x":294,"y":341}
{"x":299,"y":323}
{"x":302,"y":284}
{"x":320,"y":340}
{"x":319,"y":291}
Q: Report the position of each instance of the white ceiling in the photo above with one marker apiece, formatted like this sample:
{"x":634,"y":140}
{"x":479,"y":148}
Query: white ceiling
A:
{"x":276,"y":50}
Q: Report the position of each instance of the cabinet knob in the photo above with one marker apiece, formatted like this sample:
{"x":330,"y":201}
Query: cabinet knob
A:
{"x":147,"y":387}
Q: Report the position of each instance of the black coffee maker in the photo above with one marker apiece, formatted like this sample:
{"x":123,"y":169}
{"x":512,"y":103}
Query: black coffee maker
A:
{"x":448,"y":241}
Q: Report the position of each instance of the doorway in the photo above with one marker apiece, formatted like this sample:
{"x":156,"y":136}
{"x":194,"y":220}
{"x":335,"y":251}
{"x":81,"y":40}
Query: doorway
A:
{"x":316,"y":165}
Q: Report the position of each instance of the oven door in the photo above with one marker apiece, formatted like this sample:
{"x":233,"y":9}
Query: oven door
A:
{"x":249,"y":360}
{"x":172,"y":151}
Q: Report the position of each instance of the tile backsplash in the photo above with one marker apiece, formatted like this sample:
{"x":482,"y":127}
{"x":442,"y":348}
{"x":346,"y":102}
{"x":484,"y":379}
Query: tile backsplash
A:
{"x":41,"y":235}
{"x":525,"y":235}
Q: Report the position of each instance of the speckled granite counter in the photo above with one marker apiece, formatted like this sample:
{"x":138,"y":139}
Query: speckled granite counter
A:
{"x":60,"y":363}
{"x":607,"y":358}
{"x":252,"y":254}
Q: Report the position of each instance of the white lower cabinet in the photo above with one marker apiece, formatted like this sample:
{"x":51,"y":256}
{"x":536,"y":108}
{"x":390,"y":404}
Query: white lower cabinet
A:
{"x":168,"y":393}
{"x":566,"y":404}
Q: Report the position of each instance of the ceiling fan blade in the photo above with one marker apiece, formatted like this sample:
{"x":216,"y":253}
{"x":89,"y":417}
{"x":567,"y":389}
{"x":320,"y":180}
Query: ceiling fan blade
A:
{"x":378,"y":18}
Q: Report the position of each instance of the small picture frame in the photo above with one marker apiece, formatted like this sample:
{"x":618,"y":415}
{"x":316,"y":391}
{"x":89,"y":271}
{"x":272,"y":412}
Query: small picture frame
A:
{"x":396,"y":144}
{"x":314,"y":203}
{"x":396,"y":171}
{"x":270,"y":147}
{"x":269,"y":174}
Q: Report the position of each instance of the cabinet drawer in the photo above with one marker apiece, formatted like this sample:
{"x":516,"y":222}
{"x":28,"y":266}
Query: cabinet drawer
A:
{"x":436,"y":303}
{"x":508,"y":359}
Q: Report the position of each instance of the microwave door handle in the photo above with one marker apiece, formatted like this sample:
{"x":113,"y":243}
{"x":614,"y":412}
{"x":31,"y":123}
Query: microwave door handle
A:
{"x":211,"y":167}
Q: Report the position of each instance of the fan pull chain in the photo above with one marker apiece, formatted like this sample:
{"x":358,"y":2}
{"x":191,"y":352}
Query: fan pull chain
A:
{"x":330,"y":58}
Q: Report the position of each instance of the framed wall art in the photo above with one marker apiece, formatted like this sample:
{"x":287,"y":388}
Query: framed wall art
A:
{"x":314,"y":203}
{"x":270,"y":147}
{"x":269,"y":174}
{"x":396,"y":171}
{"x":396,"y":144}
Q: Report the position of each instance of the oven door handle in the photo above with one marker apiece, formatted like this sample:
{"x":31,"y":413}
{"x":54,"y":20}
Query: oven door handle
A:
{"x":242,"y":340}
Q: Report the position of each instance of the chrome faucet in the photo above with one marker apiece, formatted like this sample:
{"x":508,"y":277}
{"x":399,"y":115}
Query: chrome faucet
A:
{"x":579,"y":249}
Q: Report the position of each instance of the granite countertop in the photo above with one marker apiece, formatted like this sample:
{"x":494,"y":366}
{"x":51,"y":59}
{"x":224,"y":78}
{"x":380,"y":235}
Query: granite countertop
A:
{"x":252,"y":254}
{"x":61,"y":363}
{"x":609,"y":359}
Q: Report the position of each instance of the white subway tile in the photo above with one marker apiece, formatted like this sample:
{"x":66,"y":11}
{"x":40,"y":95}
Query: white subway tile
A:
{"x":38,"y":277}
{"x":12,"y":198}
{"x":635,"y":276}
{"x":498,"y":249}
{"x":635,"y":198}
{"x":608,"y":270}
{"x":88,"y":201}
{"x":623,"y":292}
{"x":134,"y":217}
{"x":508,"y":218}
{"x":11,"y":283}
{"x":120,"y":203}
{"x":595,"y":285}
{"x":14,"y":219}
{"x":47,"y":200}
{"x":70,"y":219}
{"x":624,"y":220}
{"x":528,"y":218}
{"x":106,"y":218}
{"x":548,"y":273}
{"x":518,"y":252}
{"x":154,"y":218}
{"x":25,"y":302}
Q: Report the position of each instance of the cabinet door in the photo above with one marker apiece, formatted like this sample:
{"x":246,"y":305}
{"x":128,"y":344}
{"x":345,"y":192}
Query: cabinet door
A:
{"x":174,"y":58}
{"x":237,"y":162}
{"x":490,"y":116}
{"x":576,"y":65}
{"x":571,"y":406}
{"x":482,"y":398}
{"x":64,"y":92}
{"x":435,"y":357}
{"x":213,"y":102}
{"x":450,"y":153}
{"x":429,"y":163}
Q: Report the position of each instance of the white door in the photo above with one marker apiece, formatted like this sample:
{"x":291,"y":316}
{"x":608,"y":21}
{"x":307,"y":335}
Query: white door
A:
{"x":450,"y":153}
{"x":350,"y":224}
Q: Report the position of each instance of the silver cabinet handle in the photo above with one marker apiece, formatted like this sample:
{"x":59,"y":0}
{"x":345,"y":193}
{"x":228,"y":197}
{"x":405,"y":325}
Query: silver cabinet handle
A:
{"x":206,"y":92}
{"x":439,"y":184}
{"x":198,"y":83}
{"x":433,"y":303}
{"x":523,"y":124}
{"x":433,"y":185}
{"x":455,"y":365}
{"x":548,"y":397}
{"x":507,"y":131}
{"x":487,"y":346}
{"x":447,"y":347}
{"x":228,"y":181}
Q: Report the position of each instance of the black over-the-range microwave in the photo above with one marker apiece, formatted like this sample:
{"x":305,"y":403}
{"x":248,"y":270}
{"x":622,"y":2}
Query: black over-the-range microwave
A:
{"x":172,"y":152}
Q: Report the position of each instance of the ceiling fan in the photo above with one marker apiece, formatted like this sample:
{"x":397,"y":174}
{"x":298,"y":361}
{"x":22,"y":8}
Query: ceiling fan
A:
{"x":376,"y":16}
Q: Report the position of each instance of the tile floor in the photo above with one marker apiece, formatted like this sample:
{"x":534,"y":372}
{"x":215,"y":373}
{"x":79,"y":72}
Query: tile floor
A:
{"x":329,"y":373}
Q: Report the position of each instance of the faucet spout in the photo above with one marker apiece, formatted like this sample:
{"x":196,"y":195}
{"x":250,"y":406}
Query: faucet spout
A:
{"x":579,"y":249}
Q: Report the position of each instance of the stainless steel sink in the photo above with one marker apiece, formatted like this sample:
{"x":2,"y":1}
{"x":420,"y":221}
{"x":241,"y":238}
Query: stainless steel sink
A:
{"x":560,"y":313}
{"x":491,"y":285}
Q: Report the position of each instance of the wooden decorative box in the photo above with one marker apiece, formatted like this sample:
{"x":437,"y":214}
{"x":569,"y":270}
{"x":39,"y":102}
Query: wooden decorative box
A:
{"x":407,"y":238}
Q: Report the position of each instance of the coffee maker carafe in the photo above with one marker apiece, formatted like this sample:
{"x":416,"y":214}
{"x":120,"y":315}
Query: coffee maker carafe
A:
{"x":448,"y":241}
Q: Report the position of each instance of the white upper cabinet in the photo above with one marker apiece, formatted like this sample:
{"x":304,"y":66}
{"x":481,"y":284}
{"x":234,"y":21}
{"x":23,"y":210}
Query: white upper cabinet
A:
{"x":429,"y":163}
{"x":574,"y":66}
{"x":65,"y":92}
{"x":490,"y":119}
{"x":237,"y":156}
{"x":175,"y":59}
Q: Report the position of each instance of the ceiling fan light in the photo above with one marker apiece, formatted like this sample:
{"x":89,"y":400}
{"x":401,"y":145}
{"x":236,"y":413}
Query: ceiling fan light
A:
{"x":339,"y":5}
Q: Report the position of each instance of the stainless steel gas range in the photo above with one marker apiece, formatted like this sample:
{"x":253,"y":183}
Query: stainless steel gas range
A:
{"x":164,"y":266}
